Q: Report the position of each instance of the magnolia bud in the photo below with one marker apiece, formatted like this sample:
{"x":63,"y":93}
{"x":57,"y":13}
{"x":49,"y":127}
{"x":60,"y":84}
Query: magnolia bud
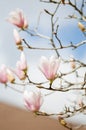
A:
{"x":72,"y":63}
{"x":81,"y":27}
{"x":22,"y":63}
{"x":3,"y":74}
{"x":20,"y":74}
{"x":10,"y":76}
{"x":17,"y":38}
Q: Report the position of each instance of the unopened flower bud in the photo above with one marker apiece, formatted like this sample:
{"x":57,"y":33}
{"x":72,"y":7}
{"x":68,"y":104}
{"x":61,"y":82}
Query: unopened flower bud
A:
{"x":10,"y":76}
{"x":3,"y":74}
{"x":20,"y":74}
{"x":81,"y":27}
{"x":72,"y":63}
{"x":22,"y":63}
{"x":17,"y":38}
{"x":21,"y":67}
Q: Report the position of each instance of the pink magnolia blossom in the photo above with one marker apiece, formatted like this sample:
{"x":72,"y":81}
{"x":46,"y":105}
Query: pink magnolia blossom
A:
{"x":17,"y":38}
{"x":10,"y":76}
{"x":21,"y":67}
{"x":17,"y":18}
{"x":49,"y":67}
{"x":3,"y":74}
{"x":33,"y":100}
{"x":22,"y":63}
{"x":21,"y":74}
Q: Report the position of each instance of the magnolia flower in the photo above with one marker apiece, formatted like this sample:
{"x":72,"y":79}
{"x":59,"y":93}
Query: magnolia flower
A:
{"x":3,"y":74}
{"x":21,"y":67}
{"x":33,"y":100}
{"x":17,"y":18}
{"x":22,"y":63}
{"x":10,"y":76}
{"x":21,"y":74}
{"x":49,"y":67}
{"x":17,"y":38}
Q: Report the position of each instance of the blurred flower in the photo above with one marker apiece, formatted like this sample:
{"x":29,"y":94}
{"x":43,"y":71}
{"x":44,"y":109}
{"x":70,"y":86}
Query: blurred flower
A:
{"x":22,"y":63}
{"x":17,"y":38}
{"x":33,"y":100}
{"x":21,"y":67}
{"x":21,"y":74}
{"x":10,"y":76}
{"x":3,"y":74}
{"x":17,"y":18}
{"x":49,"y":67}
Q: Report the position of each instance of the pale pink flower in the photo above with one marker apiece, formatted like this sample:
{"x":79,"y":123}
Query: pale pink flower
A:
{"x":33,"y":100}
{"x":10,"y":76}
{"x":22,"y":63}
{"x":49,"y":67}
{"x":21,"y":74}
{"x":17,"y":38}
{"x":3,"y":74}
{"x":21,"y":67}
{"x":17,"y":18}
